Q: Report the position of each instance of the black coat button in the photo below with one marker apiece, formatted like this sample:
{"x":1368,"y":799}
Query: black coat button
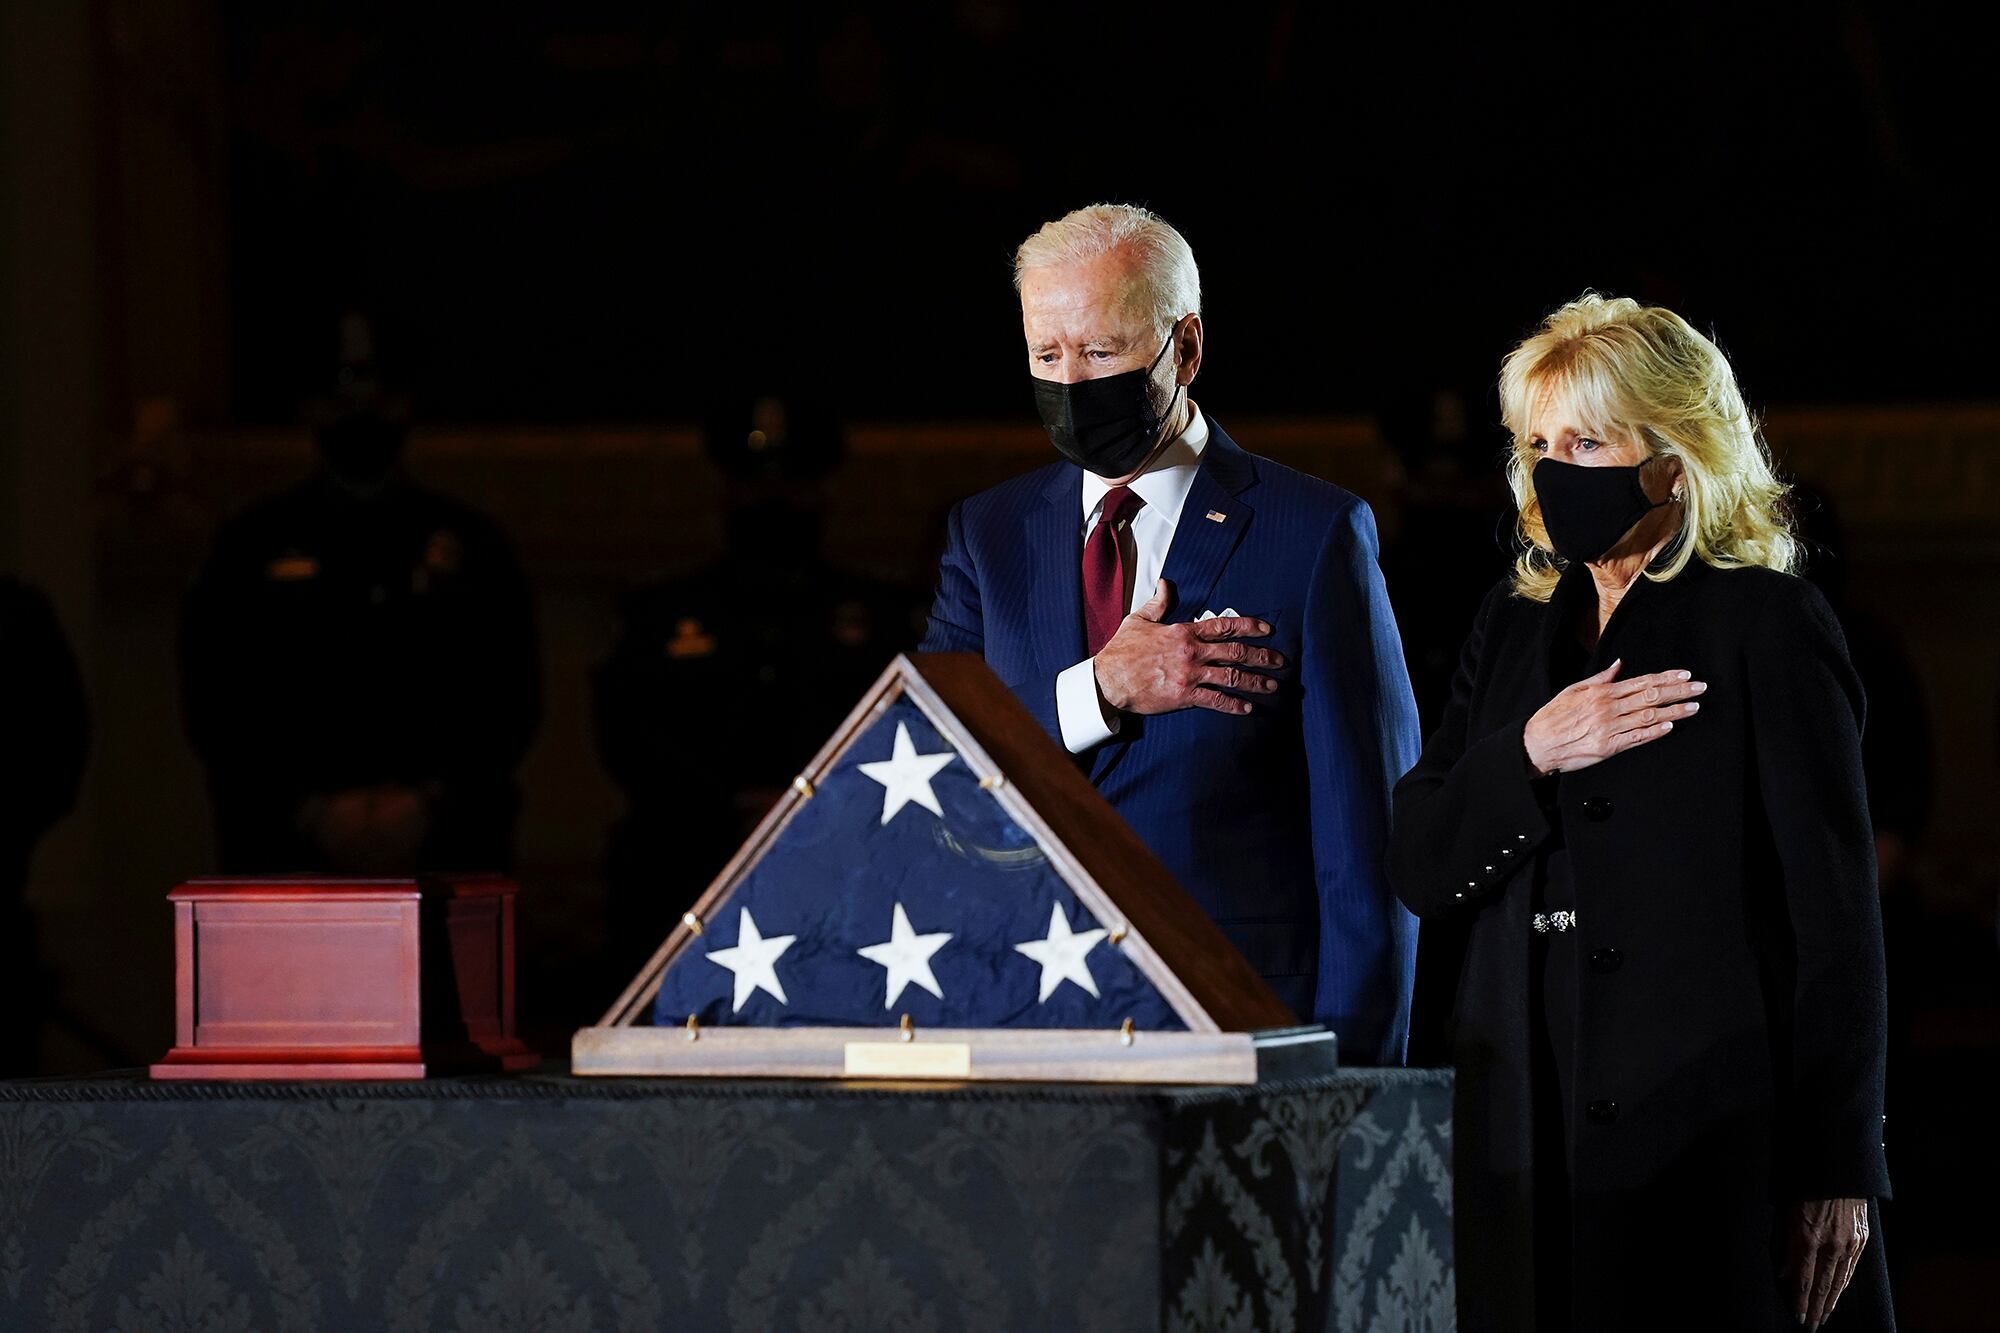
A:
{"x":1596,"y":808}
{"x":1606,"y":960}
{"x":1601,"y":1113}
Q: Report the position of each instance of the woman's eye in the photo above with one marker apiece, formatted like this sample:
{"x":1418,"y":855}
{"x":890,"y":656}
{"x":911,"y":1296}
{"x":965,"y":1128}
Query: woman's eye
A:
{"x":1586,"y":444}
{"x":1540,"y":446}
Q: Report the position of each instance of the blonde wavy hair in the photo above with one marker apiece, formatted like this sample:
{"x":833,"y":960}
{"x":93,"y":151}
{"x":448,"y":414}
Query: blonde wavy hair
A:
{"x":1638,"y":372}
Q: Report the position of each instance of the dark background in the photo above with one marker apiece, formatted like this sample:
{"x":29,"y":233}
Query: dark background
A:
{"x":600,"y":209}
{"x":578,"y":227}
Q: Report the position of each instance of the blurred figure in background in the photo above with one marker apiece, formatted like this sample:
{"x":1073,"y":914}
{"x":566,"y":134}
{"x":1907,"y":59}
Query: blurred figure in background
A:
{"x":1450,"y":541}
{"x":41,"y":768}
{"x":1454,"y":524}
{"x":1896,"y":747}
{"x":725,"y":682}
{"x":359,"y":662}
{"x":1943,"y":962}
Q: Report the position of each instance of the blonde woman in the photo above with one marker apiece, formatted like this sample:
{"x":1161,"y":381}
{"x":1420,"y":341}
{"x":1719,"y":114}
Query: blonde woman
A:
{"x":1645,"y":807}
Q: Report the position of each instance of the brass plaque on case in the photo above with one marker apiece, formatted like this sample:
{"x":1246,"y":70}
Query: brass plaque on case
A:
{"x":903,"y":1059}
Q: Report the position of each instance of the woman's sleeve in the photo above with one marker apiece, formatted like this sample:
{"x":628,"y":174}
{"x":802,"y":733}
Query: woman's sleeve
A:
{"x":1467,"y":816}
{"x":1806,"y":712}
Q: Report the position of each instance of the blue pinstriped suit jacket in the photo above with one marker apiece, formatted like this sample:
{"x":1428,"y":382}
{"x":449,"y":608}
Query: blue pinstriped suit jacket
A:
{"x":1275,"y":822}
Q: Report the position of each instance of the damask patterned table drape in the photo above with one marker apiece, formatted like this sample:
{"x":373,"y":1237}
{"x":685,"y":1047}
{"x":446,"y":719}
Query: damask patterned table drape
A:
{"x":552,"y":1204}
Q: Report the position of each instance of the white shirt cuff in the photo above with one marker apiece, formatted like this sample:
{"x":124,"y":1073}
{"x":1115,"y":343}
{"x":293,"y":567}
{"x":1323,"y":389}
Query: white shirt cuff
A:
{"x":1079,"y":710}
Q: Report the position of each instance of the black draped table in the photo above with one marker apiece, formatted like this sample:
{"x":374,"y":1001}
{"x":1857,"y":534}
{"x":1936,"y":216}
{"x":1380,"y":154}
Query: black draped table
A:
{"x":552,"y":1204}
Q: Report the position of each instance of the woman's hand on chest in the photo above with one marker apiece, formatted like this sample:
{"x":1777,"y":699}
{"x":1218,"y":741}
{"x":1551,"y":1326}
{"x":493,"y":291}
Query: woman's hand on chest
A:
{"x":1601,"y":715}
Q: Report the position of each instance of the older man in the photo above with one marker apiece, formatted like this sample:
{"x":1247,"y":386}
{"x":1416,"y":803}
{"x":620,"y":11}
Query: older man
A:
{"x":1207,"y":630}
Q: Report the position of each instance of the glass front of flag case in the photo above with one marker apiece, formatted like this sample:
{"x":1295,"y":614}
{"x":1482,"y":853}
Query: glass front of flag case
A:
{"x":942,"y":894}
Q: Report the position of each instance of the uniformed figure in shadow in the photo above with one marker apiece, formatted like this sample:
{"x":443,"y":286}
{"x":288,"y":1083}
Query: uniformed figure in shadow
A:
{"x":359,"y":662}
{"x":41,"y":768}
{"x":725,"y":682}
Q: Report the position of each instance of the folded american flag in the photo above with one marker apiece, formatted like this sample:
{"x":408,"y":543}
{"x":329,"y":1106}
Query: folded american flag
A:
{"x":902,"y":887}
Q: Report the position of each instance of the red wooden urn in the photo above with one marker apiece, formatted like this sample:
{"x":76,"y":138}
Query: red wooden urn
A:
{"x":298,"y":977}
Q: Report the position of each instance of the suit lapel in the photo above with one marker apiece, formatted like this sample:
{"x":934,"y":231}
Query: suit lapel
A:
{"x":1575,"y":597}
{"x":1055,"y":554}
{"x":1203,"y":542}
{"x":1643,"y":604}
{"x":1201,"y":546}
{"x":1574,"y":594}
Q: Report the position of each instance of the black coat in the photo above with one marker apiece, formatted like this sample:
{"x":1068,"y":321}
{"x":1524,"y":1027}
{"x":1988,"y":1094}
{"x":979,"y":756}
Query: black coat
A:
{"x":1730,"y":1020}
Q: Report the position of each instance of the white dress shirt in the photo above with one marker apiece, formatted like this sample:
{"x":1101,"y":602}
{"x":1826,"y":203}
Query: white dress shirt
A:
{"x":1164,"y":486}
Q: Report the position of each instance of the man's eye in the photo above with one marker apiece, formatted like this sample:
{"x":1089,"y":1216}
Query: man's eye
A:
{"x":1045,"y":357}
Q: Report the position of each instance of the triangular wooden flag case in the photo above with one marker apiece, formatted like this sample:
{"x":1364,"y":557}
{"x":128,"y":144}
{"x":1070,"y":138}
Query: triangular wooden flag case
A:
{"x":943,"y":895}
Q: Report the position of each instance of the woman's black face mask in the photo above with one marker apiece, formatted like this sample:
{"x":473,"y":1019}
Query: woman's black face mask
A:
{"x":1588,"y":510}
{"x":1107,"y":426}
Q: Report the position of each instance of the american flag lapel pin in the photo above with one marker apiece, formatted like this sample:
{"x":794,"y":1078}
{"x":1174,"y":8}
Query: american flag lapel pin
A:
{"x":1217,"y":516}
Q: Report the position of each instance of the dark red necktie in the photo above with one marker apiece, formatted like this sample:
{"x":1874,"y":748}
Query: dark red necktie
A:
{"x":1104,"y":590}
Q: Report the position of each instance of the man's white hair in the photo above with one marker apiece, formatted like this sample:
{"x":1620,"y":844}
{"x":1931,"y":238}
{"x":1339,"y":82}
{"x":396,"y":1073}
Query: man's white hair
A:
{"x":1169,"y":283}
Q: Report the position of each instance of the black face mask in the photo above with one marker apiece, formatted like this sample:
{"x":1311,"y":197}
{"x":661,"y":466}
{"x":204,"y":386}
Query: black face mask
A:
{"x":1106,"y":426}
{"x":1588,"y":510}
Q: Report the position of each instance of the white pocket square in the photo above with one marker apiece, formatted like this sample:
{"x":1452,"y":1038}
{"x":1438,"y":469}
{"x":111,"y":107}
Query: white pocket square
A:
{"x":1210,"y":615}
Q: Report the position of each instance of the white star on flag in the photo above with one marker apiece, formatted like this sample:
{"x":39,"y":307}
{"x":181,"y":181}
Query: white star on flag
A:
{"x":907,"y":955}
{"x":1061,"y":954}
{"x":906,"y":776}
{"x":754,"y":960}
